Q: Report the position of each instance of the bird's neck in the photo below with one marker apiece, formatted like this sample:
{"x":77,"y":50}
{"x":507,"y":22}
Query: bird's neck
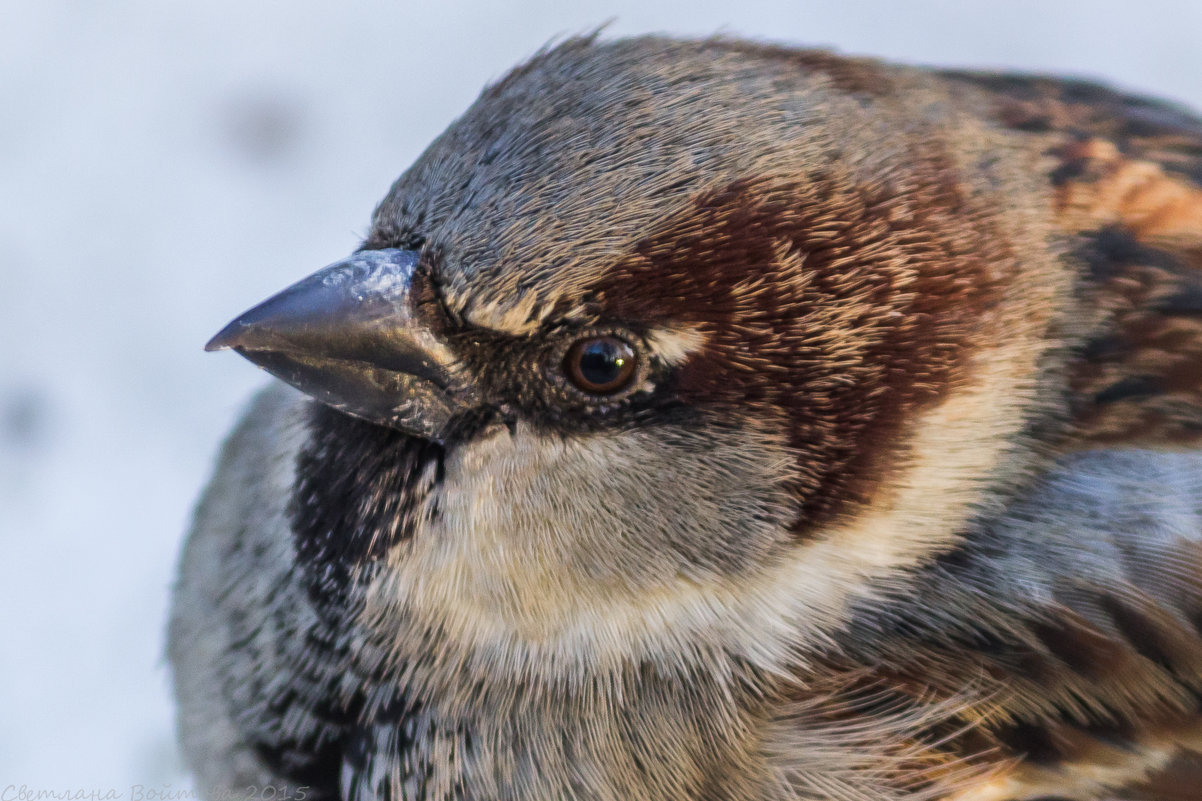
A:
{"x":641,"y":736}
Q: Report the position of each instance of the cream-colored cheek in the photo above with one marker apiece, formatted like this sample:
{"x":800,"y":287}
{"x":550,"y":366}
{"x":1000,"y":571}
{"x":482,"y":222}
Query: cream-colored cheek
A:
{"x":550,"y":538}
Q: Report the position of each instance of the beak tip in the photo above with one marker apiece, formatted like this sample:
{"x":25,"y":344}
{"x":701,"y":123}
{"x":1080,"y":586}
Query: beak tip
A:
{"x":225,"y":339}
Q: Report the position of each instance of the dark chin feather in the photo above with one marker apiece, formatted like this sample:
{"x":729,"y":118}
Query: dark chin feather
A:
{"x":358,"y":490}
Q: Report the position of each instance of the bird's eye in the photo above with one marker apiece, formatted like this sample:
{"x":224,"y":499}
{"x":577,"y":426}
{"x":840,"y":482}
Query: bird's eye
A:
{"x":600,"y":365}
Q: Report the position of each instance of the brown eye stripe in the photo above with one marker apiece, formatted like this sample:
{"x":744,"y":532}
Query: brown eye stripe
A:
{"x":831,"y":313}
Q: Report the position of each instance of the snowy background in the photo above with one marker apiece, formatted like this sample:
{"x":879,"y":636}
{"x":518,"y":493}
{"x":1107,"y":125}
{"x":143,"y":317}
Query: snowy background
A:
{"x":165,"y":165}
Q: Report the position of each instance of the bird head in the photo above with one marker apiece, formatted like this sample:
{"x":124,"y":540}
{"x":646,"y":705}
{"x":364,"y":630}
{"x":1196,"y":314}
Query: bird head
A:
{"x":664,"y":349}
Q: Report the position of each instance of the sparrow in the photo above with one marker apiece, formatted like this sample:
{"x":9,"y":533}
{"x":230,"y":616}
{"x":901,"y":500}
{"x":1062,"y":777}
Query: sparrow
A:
{"x":719,"y":420}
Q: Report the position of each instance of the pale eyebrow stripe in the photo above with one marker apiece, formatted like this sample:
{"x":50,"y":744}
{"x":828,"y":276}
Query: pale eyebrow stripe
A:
{"x":675,"y":345}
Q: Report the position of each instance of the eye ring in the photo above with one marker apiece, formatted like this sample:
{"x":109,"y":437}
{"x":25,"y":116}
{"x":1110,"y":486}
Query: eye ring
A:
{"x":601,"y":365}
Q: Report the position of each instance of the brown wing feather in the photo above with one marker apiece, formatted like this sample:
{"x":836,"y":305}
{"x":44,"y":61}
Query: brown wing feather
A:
{"x":1064,"y":635}
{"x":1108,"y":693}
{"x":1126,"y":177}
{"x":1179,"y":780}
{"x":1103,"y":677}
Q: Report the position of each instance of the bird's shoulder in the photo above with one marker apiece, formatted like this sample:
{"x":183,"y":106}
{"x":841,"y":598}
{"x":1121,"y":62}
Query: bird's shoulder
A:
{"x":1058,"y":649}
{"x":1124,"y":173}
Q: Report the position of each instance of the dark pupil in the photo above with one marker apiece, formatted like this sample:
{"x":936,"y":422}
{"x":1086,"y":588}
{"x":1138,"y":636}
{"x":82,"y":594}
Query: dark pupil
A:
{"x":601,"y":362}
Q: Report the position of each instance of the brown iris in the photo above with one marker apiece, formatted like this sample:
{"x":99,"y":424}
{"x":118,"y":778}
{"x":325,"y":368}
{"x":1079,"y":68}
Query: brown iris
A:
{"x":600,"y":365}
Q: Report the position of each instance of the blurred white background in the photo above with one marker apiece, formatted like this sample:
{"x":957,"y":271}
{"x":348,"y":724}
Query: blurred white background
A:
{"x":165,"y":165}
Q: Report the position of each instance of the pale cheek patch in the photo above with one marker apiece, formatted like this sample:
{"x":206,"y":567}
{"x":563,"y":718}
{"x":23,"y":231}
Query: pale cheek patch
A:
{"x":549,"y":552}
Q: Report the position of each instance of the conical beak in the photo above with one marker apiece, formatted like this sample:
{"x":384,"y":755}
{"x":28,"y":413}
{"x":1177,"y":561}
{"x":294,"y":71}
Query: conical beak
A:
{"x":348,"y":335}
